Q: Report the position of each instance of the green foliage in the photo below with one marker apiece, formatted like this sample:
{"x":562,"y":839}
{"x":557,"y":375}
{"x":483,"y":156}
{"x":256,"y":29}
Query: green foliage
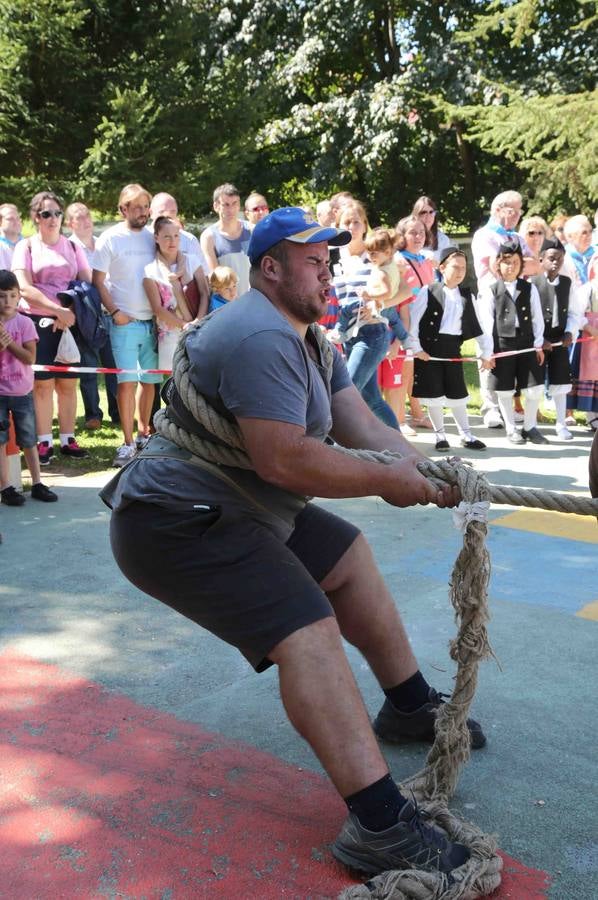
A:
{"x":560,"y":162}
{"x":387,"y":98}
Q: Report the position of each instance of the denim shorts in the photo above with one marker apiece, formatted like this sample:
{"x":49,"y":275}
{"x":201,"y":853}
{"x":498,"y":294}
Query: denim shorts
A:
{"x":23,"y":415}
{"x":134,"y":346}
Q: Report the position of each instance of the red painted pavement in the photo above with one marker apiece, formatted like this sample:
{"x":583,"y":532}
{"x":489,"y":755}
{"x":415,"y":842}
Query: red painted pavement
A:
{"x":101,"y":797}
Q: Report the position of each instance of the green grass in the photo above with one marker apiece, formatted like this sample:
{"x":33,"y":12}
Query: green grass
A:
{"x":101,"y":445}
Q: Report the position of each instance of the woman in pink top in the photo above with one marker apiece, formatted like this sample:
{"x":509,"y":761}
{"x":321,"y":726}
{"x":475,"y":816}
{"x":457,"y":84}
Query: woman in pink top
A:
{"x":417,"y":271}
{"x":44,"y":264}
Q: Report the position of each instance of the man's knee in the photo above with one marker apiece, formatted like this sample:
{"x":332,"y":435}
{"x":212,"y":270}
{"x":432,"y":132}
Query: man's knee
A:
{"x":317,"y":640}
{"x":358,"y":555}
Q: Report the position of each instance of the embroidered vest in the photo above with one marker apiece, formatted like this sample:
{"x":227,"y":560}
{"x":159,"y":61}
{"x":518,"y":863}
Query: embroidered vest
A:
{"x":429,"y":326}
{"x":508,"y":309}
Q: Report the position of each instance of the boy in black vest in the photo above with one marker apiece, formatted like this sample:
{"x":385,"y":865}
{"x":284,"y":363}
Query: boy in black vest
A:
{"x":442,"y":317}
{"x":560,"y":324}
{"x":511,"y":309}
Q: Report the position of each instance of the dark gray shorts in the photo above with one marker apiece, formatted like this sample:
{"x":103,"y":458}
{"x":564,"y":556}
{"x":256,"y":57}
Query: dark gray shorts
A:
{"x":230,"y":574}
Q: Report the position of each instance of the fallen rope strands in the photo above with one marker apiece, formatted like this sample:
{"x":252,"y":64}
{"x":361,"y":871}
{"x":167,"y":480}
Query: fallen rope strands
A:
{"x":433,"y":786}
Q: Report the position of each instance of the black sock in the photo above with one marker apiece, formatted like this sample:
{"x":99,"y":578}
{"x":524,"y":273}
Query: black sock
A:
{"x":409,"y":695}
{"x":377,"y":806}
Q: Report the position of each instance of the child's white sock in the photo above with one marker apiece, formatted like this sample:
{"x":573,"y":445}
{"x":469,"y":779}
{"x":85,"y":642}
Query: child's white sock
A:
{"x":64,"y":438}
{"x":47,"y":438}
{"x":505,"y":402}
{"x":459,"y":411}
{"x":436,"y":414}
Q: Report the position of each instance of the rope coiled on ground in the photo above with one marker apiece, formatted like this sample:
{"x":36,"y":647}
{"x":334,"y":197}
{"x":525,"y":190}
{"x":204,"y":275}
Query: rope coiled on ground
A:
{"x":435,"y":783}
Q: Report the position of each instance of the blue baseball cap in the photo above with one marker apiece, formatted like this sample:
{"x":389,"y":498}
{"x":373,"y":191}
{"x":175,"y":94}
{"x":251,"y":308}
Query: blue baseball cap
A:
{"x":291,"y":224}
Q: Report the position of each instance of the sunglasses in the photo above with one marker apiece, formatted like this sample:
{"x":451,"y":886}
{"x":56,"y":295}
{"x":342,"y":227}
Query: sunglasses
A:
{"x":535,"y":233}
{"x":428,"y":212}
{"x":49,"y":213}
{"x":259,"y":209}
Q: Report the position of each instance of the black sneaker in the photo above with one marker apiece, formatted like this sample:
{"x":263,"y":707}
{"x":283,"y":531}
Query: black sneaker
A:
{"x":473,"y":444}
{"x":45,"y":451}
{"x":409,"y":844}
{"x":401,"y":728}
{"x":12,"y":497}
{"x":73,"y":449}
{"x":443,"y":444}
{"x":533,"y":435}
{"x":39,"y":491}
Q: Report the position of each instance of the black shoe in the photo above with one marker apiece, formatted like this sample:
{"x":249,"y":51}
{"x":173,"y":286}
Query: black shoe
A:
{"x":39,"y":491}
{"x":516,"y":437}
{"x":409,"y":844}
{"x":12,"y":497}
{"x":400,"y":728}
{"x":473,"y":444}
{"x":533,"y":435}
{"x":45,"y":451}
{"x":73,"y":450}
{"x":443,"y":445}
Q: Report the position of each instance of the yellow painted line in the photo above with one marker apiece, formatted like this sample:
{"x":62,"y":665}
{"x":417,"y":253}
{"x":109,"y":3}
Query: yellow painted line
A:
{"x":590,"y":611}
{"x":554,"y":524}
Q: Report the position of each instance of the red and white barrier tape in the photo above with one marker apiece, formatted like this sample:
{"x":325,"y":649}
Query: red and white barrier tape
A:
{"x":99,"y":370}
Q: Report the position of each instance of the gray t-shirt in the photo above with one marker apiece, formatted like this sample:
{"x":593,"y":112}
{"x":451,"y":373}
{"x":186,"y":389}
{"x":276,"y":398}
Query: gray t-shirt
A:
{"x":249,"y":362}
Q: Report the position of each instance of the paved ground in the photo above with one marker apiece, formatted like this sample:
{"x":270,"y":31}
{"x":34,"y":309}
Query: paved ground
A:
{"x":142,"y":758}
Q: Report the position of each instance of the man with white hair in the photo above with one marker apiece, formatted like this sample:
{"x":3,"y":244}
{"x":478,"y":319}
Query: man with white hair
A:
{"x":10,"y":233}
{"x":325,"y":213}
{"x":578,"y":249}
{"x":505,"y":213}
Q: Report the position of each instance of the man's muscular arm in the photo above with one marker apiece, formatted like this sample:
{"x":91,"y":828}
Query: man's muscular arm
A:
{"x":283,"y":455}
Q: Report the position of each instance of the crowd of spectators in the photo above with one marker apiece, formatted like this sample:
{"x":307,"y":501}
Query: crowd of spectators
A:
{"x":154,"y":278}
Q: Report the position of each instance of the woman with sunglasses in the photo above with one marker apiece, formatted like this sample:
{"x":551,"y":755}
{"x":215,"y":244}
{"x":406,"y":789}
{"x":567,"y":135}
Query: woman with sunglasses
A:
{"x":426,"y":211}
{"x":533,"y":232}
{"x":44,"y":265}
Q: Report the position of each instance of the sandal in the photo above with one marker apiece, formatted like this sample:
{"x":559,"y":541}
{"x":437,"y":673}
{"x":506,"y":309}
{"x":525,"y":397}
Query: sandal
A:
{"x":422,"y":422}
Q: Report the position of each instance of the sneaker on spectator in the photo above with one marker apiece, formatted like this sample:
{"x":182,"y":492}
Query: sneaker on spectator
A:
{"x":73,"y":449}
{"x":93,"y":424}
{"x":492,"y":419}
{"x":570,"y":420}
{"x":11,"y":497}
{"x":39,"y":491}
{"x":518,"y":417}
{"x":45,"y":451}
{"x":563,"y":433}
{"x":141,"y":440}
{"x":123,"y":455}
{"x":408,"y":844}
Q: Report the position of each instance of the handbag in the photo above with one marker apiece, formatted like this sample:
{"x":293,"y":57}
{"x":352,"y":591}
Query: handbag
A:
{"x":67,"y":352}
{"x":390,"y":371}
{"x":192,"y":297}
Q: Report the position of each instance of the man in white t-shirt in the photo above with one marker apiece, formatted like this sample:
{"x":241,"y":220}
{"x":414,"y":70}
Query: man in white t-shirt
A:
{"x":121,"y":255}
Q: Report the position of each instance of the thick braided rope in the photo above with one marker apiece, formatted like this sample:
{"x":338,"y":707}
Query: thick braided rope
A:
{"x":435,"y":784}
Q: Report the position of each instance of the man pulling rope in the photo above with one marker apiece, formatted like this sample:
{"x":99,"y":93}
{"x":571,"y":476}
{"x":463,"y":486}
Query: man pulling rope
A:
{"x":242,"y":552}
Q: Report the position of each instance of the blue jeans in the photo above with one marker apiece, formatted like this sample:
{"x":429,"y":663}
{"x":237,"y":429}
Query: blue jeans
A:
{"x":365,"y":353}
{"x":88,"y":383}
